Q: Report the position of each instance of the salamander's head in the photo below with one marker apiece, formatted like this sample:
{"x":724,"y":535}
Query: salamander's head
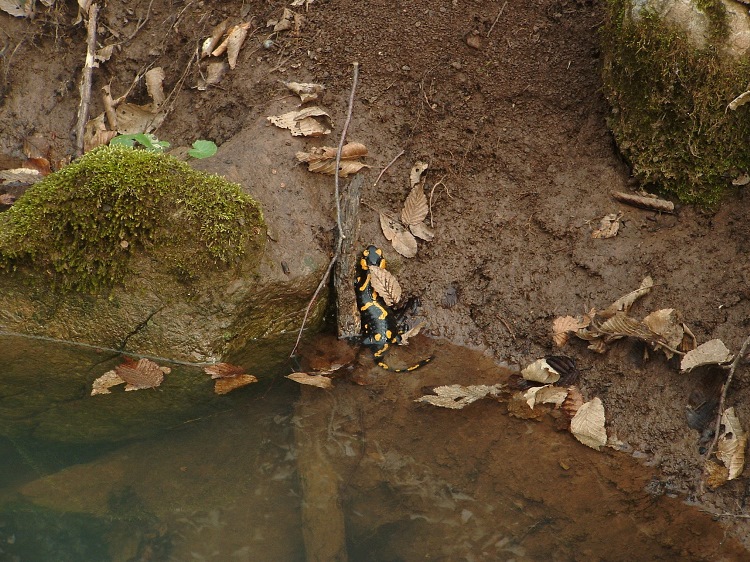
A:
{"x":373,"y":257}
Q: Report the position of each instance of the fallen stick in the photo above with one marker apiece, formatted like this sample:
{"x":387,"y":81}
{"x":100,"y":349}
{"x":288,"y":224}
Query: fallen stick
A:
{"x":340,"y":234}
{"x":347,"y":315}
{"x":88,"y":68}
{"x":648,"y":203}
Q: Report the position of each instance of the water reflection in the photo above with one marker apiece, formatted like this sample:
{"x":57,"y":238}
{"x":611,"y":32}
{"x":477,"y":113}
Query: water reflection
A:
{"x":360,"y":472}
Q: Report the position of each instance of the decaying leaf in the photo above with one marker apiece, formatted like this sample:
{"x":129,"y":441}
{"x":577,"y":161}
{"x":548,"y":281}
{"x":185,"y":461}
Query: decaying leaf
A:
{"x":235,"y":40}
{"x":96,"y":134}
{"x":666,"y":323}
{"x":349,"y":151}
{"x":518,"y":407}
{"x":228,"y":384}
{"x":415,"y":176}
{"x":716,"y":474}
{"x":312,"y":380}
{"x":154,"y":85}
{"x":732,"y":444}
{"x":215,"y":71}
{"x":456,"y":397}
{"x":573,"y":401}
{"x":305,"y":90}
{"x":223,"y":370}
{"x":212,"y":42}
{"x":624,"y":303}
{"x":104,"y":54}
{"x":540,"y":371}
{"x":405,"y":243}
{"x":390,"y":226}
{"x":609,"y":225}
{"x":713,"y":352}
{"x":423,"y":231}
{"x":547,"y":394}
{"x":415,"y":207}
{"x":588,"y":424}
{"x":411,"y":332}
{"x":142,"y":374}
{"x":17,"y":8}
{"x":621,"y":325}
{"x":563,"y":326}
{"x":346,"y":167}
{"x":385,"y":284}
{"x":307,"y":122}
{"x":133,"y":119}
{"x":286,"y":21}
{"x":105,"y":382}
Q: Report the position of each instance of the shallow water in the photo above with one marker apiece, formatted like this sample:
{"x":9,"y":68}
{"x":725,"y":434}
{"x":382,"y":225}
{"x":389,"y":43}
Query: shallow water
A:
{"x":361,"y":471}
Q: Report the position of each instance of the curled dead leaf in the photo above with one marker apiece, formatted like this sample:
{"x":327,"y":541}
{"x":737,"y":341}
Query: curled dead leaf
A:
{"x":235,"y":40}
{"x":666,"y":323}
{"x":626,"y":301}
{"x":141,"y":374}
{"x":540,"y":371}
{"x":305,"y":90}
{"x":385,"y":284}
{"x":415,"y":176}
{"x":587,"y":424}
{"x":96,"y":134}
{"x":213,"y":41}
{"x":713,"y":352}
{"x":716,"y":474}
{"x":547,"y":394}
{"x":609,"y":225}
{"x":518,"y":407}
{"x":411,"y":332}
{"x":732,"y":444}
{"x":562,"y":327}
{"x":307,"y":122}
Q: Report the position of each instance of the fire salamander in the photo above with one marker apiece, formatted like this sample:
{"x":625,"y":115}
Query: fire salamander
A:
{"x":379,"y":325}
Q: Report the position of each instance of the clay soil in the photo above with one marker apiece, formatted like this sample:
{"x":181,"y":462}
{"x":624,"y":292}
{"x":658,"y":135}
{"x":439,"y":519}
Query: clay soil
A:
{"x":504,"y":101}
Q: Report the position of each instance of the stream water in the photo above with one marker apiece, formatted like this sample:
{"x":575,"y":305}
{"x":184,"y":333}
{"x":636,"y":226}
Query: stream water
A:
{"x":273,"y":473}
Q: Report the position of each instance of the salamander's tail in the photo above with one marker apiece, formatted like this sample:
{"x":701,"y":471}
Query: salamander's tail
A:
{"x":384,"y":365}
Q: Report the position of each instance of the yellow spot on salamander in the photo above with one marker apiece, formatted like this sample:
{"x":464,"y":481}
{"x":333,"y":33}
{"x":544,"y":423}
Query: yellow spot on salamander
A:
{"x":378,"y":337}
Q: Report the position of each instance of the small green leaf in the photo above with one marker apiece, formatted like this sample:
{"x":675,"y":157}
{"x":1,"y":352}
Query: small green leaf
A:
{"x":123,"y":140}
{"x":146,"y":140}
{"x":203,"y":149}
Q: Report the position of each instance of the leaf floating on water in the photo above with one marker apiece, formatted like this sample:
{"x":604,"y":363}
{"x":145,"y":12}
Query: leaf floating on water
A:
{"x":223,"y":370}
{"x":228,"y":384}
{"x":713,"y":352}
{"x":142,"y":374}
{"x":588,"y":424}
{"x":415,"y":207}
{"x":386,"y":285}
{"x":540,"y":371}
{"x":624,"y":303}
{"x":732,"y":444}
{"x":608,"y":226}
{"x":312,"y":380}
{"x":457,"y":397}
{"x":105,"y":382}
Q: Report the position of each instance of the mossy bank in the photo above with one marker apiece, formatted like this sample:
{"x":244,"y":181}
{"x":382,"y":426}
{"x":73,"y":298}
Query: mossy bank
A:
{"x":81,"y":225}
{"x":670,"y":71}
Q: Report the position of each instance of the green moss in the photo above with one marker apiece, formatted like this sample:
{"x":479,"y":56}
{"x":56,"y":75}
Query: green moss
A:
{"x":669,"y":103}
{"x":83,"y":224}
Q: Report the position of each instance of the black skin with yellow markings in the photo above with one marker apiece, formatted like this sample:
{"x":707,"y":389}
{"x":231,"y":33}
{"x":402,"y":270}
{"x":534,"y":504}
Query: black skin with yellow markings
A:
{"x":379,"y":326}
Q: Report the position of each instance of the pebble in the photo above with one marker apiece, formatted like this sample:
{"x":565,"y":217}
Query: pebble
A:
{"x":406,"y":68}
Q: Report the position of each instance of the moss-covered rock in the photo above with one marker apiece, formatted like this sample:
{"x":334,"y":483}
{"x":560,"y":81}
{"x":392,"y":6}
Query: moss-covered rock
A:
{"x":81,"y":225}
{"x":670,"y":70}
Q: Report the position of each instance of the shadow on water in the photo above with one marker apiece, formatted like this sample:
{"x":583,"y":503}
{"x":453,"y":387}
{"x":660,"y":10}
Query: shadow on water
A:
{"x":359,"y":472}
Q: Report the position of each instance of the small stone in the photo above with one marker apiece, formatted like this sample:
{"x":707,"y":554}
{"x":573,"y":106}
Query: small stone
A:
{"x":474,"y":41}
{"x":406,"y":68}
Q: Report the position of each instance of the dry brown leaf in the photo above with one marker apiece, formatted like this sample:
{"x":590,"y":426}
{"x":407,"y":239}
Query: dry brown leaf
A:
{"x":588,"y":424}
{"x":133,"y":119}
{"x":456,"y":397}
{"x":223,"y":370}
{"x":306,"y":91}
{"x":405,"y":244}
{"x":547,"y":394}
{"x":415,"y":207}
{"x":625,"y":302}
{"x":215,"y":71}
{"x":415,"y":176}
{"x":346,"y":167}
{"x":518,"y":407}
{"x":26,"y":176}
{"x":349,"y":151}
{"x":235,"y":40}
{"x":732,"y":444}
{"x":228,"y":384}
{"x":17,"y":8}
{"x":390,"y":226}
{"x":142,"y":374}
{"x":666,"y":323}
{"x":423,"y":231}
{"x":308,"y":122}
{"x":7,"y":199}
{"x":621,"y":325}
{"x":104,"y":54}
{"x":562,"y":326}
{"x":717,"y":475}
{"x":312,"y":380}
{"x":154,"y":85}
{"x":609,"y":225}
{"x":573,"y":401}
{"x":411,"y":332}
{"x":385,"y":284}
{"x":96,"y":134}
{"x":216,"y":34}
{"x":540,"y":371}
{"x":105,"y":382}
{"x":713,"y":352}
{"x":286,"y":21}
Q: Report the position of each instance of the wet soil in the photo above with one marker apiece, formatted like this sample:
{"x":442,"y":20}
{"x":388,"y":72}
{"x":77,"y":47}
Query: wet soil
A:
{"x":503,"y":99}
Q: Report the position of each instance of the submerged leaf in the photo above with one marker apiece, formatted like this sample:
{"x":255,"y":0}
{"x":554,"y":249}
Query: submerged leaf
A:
{"x":105,"y":382}
{"x":223,"y":370}
{"x":310,"y":379}
{"x":228,"y":384}
{"x":456,"y":397}
{"x":142,"y":374}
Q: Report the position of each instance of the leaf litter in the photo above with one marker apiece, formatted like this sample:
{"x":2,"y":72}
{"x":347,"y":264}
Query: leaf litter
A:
{"x":228,"y":377}
{"x":322,"y":159}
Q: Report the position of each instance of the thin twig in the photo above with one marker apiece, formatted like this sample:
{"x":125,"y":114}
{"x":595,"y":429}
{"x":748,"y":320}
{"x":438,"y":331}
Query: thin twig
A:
{"x":88,"y":67}
{"x":500,"y":13}
{"x":340,"y":236}
{"x":399,"y":155}
{"x":724,"y":390}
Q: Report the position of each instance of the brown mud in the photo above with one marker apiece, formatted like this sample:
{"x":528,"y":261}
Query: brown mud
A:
{"x":522,"y":166}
